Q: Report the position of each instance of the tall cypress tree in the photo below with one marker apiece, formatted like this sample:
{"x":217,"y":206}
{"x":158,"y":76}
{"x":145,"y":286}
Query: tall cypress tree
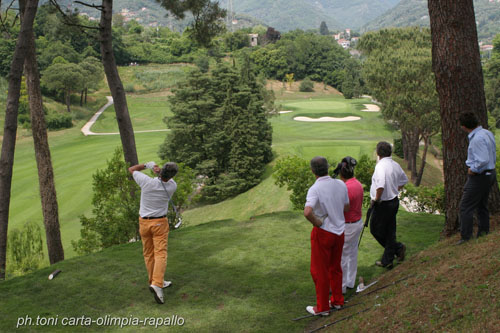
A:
{"x":220,"y":129}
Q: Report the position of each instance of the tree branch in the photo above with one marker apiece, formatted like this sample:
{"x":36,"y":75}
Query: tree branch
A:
{"x":91,"y":6}
{"x":67,"y":22}
{"x":4,"y":21}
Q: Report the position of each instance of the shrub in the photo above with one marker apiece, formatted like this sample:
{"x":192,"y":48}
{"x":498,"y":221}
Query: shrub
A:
{"x":306,"y":85}
{"x":116,"y":211}
{"x":25,"y":249}
{"x":425,"y":199}
{"x":57,"y":120}
{"x":398,"y":148}
{"x":203,"y":63}
{"x":295,"y":173}
{"x":129,"y":87}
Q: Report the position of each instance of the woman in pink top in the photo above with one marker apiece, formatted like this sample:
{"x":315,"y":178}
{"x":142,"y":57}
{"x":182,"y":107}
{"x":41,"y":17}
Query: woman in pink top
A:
{"x":353,"y":222}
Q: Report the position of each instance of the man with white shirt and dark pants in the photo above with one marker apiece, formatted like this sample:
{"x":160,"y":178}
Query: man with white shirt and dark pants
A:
{"x":153,"y":224}
{"x":326,"y":202}
{"x":387,"y":180}
{"x":481,"y":175}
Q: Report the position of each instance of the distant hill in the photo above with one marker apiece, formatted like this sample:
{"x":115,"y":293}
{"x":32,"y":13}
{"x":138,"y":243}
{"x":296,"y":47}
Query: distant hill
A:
{"x":284,"y":15}
{"x":415,"y":13}
{"x":307,"y":14}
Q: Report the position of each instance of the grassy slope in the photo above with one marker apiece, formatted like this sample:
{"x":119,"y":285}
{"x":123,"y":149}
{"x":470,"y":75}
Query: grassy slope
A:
{"x":451,"y":289}
{"x":228,"y":275}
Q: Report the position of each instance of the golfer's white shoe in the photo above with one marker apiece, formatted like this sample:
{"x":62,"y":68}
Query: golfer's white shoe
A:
{"x":312,"y":310}
{"x":167,"y":284}
{"x":157,"y":293}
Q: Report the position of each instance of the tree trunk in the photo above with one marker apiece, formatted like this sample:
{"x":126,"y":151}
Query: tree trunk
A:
{"x":422,"y":165}
{"x":115,"y":84}
{"x":459,"y":83}
{"x":10,"y":125}
{"x":67,"y":99}
{"x":42,"y":153}
{"x":86,"y":91}
{"x":81,"y":97}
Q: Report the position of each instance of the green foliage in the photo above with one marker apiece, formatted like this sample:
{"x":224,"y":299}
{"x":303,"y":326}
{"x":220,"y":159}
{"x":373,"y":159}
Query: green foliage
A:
{"x":220,"y":129}
{"x":363,"y":172}
{"x":56,"y":120}
{"x":203,"y":63}
{"x":352,"y":83}
{"x":398,"y":148}
{"x":63,"y":77}
{"x":236,"y":40}
{"x":492,"y":82}
{"x":425,"y":199}
{"x":25,"y":249}
{"x":323,"y":29}
{"x":116,"y":211}
{"x":183,"y":196}
{"x":306,"y":85}
{"x":302,"y":53}
{"x":295,"y":173}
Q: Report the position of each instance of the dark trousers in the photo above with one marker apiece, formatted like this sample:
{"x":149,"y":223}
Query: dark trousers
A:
{"x":475,"y":198}
{"x":383,"y":228}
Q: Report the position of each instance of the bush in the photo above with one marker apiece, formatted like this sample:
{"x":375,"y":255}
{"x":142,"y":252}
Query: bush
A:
{"x":116,"y":211}
{"x":25,"y":249}
{"x":295,"y":173}
{"x":129,"y":87}
{"x":363,"y":172}
{"x":306,"y":85}
{"x":203,"y":63}
{"x":425,"y":199}
{"x":57,"y":120}
{"x":398,"y":148}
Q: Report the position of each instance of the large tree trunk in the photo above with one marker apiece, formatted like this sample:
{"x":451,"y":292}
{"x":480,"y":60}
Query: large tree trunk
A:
{"x":67,"y":99}
{"x":42,"y":152}
{"x":10,"y":125}
{"x":115,"y":84}
{"x":459,"y":83}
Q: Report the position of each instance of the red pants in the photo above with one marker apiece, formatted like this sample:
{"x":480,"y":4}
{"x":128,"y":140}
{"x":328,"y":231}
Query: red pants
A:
{"x":326,"y":254}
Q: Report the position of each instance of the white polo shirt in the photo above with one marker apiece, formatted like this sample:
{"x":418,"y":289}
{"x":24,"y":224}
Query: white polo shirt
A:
{"x":154,"y":198}
{"x":329,"y":196}
{"x":389,"y":176}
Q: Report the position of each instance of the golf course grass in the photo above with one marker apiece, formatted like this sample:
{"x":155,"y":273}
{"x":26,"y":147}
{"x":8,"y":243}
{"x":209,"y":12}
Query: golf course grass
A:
{"x":228,"y":276}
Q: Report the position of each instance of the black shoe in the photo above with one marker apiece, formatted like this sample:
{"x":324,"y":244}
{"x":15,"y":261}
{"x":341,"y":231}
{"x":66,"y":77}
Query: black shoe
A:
{"x":379,"y":264}
{"x":461,"y":241}
{"x":402,"y":252}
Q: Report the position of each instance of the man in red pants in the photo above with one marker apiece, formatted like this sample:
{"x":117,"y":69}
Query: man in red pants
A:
{"x":326,"y":202}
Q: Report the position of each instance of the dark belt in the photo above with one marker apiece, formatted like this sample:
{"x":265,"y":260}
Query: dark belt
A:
{"x":486,"y":171}
{"x":153,"y":217}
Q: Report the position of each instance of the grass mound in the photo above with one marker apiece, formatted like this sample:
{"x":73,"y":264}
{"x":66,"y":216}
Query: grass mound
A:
{"x":228,"y":276}
{"x":450,"y":289}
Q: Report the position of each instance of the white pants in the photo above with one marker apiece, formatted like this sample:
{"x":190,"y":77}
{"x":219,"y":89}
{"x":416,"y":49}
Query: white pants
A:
{"x":350,"y":254}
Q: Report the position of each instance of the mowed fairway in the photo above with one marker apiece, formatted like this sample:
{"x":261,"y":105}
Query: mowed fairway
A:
{"x":76,"y":157}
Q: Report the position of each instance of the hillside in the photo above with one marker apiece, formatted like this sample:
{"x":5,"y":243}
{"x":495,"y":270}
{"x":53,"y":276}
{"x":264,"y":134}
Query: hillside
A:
{"x":228,"y":276}
{"x":449,"y":288}
{"x":415,"y":13}
{"x":280,"y":14}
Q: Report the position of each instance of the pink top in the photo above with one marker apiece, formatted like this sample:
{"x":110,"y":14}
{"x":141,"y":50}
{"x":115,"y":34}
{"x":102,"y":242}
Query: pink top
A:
{"x":355,"y":192}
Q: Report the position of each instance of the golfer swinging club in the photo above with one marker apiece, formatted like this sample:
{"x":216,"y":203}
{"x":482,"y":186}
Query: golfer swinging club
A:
{"x":153,"y":224}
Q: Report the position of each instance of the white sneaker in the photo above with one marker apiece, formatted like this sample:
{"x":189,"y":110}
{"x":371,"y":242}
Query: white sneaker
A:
{"x":167,"y":284}
{"x":157,"y":293}
{"x":312,"y":310}
{"x":336,"y":307}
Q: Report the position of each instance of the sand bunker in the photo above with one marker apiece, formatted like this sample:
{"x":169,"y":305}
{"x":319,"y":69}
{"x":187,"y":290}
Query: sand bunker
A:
{"x":285,"y":111}
{"x":326,"y":119}
{"x":371,"y":108}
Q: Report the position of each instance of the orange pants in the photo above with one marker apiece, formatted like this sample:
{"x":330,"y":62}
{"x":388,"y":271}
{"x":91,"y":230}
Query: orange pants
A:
{"x":154,"y":235}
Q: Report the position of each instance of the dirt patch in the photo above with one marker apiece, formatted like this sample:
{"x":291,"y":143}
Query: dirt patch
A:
{"x":281,"y":89}
{"x":371,"y":108}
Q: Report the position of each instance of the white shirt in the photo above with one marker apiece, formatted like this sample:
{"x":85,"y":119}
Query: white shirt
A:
{"x":389,"y":176}
{"x":154,"y":198}
{"x":329,"y":196}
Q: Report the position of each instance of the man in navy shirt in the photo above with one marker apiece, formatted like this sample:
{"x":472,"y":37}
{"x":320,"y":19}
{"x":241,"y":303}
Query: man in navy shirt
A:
{"x":481,"y":175}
